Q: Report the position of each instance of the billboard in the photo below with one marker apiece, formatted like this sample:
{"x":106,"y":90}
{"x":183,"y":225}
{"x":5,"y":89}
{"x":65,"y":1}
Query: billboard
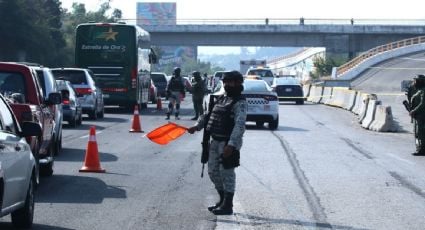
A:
{"x":164,"y":13}
{"x":156,"y":13}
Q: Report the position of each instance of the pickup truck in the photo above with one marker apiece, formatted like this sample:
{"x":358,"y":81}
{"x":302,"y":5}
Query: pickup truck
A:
{"x":20,"y":86}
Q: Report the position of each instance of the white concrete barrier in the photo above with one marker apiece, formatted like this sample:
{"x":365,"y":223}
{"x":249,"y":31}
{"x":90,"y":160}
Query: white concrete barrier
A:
{"x":315,"y":94}
{"x":327,"y":95}
{"x":370,"y":114}
{"x":350,"y":99}
{"x":338,"y":96}
{"x":306,"y":90}
{"x":383,"y":121}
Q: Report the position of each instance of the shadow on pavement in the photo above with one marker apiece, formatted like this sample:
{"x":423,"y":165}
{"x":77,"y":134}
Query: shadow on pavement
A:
{"x":70,"y":154}
{"x":76,"y":189}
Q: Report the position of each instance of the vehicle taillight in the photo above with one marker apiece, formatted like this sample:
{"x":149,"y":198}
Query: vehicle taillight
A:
{"x":65,"y":102}
{"x":84,"y":91}
{"x":270,"y":98}
{"x":133,"y":78}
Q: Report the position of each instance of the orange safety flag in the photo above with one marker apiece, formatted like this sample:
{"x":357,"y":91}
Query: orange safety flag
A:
{"x":166,"y":133}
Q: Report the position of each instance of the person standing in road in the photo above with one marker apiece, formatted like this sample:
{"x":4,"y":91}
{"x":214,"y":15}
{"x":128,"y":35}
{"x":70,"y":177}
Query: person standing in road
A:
{"x":226,"y":126}
{"x":417,"y":112}
{"x":198,"y":92}
{"x":175,"y":89}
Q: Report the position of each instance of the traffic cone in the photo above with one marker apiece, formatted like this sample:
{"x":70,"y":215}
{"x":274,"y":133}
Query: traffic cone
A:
{"x":159,"y":104}
{"x":135,"y":128}
{"x":91,"y":161}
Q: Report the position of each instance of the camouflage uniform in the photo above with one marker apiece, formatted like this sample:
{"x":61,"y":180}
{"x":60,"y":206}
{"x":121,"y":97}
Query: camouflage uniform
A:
{"x":198,"y":92}
{"x":175,"y":90}
{"x":418,"y":114}
{"x":225,"y":179}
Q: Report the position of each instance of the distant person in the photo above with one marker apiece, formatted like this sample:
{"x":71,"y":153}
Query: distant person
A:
{"x":267,"y":21}
{"x":226,"y":125}
{"x":198,"y":92}
{"x":302,"y":21}
{"x":417,"y":112}
{"x":175,"y":90}
{"x":352,"y":21}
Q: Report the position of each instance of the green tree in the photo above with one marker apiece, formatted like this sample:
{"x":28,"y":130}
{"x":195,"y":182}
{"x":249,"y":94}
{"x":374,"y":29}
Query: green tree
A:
{"x":77,"y":15}
{"x":323,"y":66}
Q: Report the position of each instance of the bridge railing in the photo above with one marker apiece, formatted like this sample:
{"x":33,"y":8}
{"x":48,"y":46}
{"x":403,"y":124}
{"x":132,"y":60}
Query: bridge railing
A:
{"x":277,"y":21}
{"x":377,"y":50}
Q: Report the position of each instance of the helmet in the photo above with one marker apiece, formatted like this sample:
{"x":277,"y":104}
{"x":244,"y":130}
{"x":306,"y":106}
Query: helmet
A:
{"x":177,"y":71}
{"x":233,"y":76}
{"x":196,"y":74}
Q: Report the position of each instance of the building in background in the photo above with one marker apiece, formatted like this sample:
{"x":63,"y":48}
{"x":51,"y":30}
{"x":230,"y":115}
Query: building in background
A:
{"x":164,"y":13}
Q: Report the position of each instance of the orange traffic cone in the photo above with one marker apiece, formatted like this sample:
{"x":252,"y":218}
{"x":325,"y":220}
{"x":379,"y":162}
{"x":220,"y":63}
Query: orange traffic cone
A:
{"x":159,"y":104}
{"x":135,"y":128}
{"x":91,"y":161}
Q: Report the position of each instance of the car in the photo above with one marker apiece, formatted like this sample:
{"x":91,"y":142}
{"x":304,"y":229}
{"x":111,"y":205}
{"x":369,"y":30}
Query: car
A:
{"x":263,"y":73}
{"x":288,"y":88}
{"x":20,"y":84}
{"x":90,"y":96}
{"x":48,"y":85}
{"x":71,"y":106}
{"x":263,"y":104}
{"x":18,"y":171}
{"x":160,"y":81}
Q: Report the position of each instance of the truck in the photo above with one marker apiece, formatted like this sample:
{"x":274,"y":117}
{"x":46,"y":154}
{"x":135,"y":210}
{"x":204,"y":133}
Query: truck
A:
{"x":246,"y":64}
{"x":21,"y":88}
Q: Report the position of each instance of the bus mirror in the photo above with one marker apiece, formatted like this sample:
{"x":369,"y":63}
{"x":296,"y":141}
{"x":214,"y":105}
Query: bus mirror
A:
{"x":152,"y":58}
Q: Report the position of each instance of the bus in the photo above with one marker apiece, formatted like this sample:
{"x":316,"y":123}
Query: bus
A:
{"x":120,"y":56}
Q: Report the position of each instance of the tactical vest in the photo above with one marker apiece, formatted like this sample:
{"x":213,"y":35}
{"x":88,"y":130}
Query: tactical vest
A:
{"x":221,"y":122}
{"x":176,"y":84}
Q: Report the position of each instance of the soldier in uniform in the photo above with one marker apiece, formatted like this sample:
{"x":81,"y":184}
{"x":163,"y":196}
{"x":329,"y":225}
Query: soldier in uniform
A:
{"x":198,"y":92}
{"x":226,"y":126}
{"x":417,"y":112}
{"x":175,"y":89}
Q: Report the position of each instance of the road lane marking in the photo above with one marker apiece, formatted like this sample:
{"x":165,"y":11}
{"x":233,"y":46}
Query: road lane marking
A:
{"x":400,"y":159}
{"x":86,"y":136}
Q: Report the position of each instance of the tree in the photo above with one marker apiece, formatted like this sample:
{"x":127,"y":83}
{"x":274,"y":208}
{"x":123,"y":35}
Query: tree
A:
{"x":323,"y":66}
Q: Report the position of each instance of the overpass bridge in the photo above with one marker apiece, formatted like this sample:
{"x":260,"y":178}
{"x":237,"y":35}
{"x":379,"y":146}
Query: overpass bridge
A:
{"x":346,"y":40}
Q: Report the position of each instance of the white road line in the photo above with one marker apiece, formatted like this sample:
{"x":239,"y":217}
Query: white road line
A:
{"x":86,"y":136}
{"x":401,"y":159}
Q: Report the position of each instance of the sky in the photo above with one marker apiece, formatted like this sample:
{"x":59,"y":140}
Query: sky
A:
{"x":240,"y":9}
{"x":273,"y":9}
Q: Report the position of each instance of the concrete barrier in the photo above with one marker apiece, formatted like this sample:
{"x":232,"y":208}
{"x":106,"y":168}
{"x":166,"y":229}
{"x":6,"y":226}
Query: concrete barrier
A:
{"x":383,"y":121}
{"x":350,"y":99}
{"x":327,"y":95}
{"x":338,"y":96}
{"x":370,"y":114}
{"x":315,"y":94}
{"x":306,"y":90}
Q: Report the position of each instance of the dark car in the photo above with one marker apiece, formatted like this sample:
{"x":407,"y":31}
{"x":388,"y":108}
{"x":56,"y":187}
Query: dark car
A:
{"x":71,"y":106}
{"x":288,"y":89}
{"x":160,"y":81}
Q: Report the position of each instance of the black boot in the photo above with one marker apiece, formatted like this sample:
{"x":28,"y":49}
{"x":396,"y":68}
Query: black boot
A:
{"x":168,"y":116}
{"x":221,"y":194}
{"x":177,"y":116}
{"x":226,"y":208}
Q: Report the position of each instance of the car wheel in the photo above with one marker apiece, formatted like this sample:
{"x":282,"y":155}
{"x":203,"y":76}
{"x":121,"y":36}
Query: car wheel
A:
{"x":93,"y":114}
{"x":23,"y":217}
{"x":259,"y":124}
{"x":47,"y":169}
{"x":58,"y":145}
{"x":73,"y":122}
{"x":274,"y":124}
{"x":101,"y":114}
{"x":80,"y":119}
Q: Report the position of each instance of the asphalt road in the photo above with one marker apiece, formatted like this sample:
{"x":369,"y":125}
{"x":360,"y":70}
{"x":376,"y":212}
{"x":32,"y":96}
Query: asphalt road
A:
{"x":319,"y":170}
